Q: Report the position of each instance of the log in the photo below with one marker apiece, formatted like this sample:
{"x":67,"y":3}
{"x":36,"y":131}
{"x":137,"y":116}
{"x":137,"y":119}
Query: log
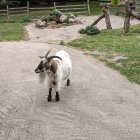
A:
{"x":97,"y":20}
{"x":136,"y":15}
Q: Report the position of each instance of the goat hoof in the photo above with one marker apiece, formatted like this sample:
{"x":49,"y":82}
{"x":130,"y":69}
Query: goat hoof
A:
{"x":49,"y":98}
{"x":57,"y":98}
{"x":68,"y":82}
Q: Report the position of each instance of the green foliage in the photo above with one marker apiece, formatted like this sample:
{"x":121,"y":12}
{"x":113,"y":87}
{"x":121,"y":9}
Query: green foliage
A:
{"x":87,"y":29}
{"x":25,"y":20}
{"x":12,"y":31}
{"x":115,"y":2}
{"x":82,"y":31}
{"x":47,"y":19}
{"x":62,"y":43}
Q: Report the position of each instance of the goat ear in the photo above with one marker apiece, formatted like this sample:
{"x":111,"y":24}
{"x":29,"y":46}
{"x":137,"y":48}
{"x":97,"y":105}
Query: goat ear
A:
{"x":41,"y":57}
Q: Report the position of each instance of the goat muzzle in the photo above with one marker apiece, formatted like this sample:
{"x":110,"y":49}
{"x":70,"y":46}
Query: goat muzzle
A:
{"x":38,"y":71}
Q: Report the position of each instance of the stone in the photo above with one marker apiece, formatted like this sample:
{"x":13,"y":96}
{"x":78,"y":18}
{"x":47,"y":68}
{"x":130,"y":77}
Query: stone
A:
{"x":40,"y":24}
{"x":119,"y":58}
{"x":97,"y":53}
{"x":72,"y":20}
{"x":63,"y":18}
{"x":72,"y":16}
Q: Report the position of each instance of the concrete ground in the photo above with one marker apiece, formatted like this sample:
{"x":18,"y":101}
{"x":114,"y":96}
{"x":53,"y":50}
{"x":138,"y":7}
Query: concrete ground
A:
{"x":100,"y":104}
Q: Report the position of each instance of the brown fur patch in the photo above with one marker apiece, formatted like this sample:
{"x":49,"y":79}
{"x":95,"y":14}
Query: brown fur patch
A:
{"x":54,"y":66}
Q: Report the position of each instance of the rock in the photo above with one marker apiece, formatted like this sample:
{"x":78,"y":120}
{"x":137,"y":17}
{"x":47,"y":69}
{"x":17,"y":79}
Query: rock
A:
{"x":97,"y":53}
{"x":78,"y":22}
{"x":63,"y":18}
{"x":72,"y":20}
{"x":37,"y":23}
{"x":40,"y":24}
{"x":43,"y":24}
{"x":72,"y":16}
{"x":119,"y":58}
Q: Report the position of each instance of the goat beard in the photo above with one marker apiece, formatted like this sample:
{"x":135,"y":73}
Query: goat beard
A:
{"x":42,"y":77}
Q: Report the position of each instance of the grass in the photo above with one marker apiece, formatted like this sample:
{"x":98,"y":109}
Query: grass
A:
{"x":12,"y":31}
{"x":112,"y":43}
{"x":13,"y":28}
{"x":95,"y":9}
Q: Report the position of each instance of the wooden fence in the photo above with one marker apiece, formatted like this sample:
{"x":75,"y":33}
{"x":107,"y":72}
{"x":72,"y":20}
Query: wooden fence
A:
{"x":76,"y":9}
{"x":83,"y":8}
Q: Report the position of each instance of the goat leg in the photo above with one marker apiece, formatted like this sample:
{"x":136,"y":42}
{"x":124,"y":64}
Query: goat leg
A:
{"x":68,"y":82}
{"x":50,"y":95}
{"x":57,"y":98}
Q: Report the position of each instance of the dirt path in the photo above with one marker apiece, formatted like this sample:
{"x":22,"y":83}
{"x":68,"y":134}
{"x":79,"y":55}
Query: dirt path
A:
{"x":71,"y":32}
{"x":99,"y":105}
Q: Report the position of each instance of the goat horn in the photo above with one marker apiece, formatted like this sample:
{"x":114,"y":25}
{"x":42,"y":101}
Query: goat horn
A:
{"x":48,"y":53}
{"x":54,"y":57}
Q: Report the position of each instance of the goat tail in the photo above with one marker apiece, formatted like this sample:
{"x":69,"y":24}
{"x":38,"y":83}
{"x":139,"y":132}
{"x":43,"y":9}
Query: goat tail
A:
{"x":42,"y":77}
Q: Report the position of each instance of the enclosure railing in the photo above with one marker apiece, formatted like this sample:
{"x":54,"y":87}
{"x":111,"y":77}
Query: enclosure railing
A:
{"x":81,"y":8}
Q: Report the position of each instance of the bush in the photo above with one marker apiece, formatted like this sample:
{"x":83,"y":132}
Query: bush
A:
{"x":62,"y":43}
{"x":46,"y":19}
{"x":87,"y":29}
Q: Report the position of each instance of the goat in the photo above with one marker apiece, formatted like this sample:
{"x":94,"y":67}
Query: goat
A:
{"x":57,"y":68}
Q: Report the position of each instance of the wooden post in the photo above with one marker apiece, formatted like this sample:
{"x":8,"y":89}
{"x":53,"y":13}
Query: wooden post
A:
{"x":128,"y":12}
{"x":105,"y":8}
{"x":88,"y":7}
{"x":7,"y":11}
{"x":54,"y":6}
{"x":107,"y":17}
{"x":126,"y":24}
{"x":27,"y":8}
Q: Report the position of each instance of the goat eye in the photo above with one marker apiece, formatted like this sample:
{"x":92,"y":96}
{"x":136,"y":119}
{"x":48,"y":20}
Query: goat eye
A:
{"x":41,"y":62}
{"x":40,"y":66}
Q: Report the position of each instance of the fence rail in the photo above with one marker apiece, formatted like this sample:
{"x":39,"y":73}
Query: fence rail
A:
{"x":72,"y":9}
{"x":18,"y":8}
{"x":18,"y":11}
{"x":3,"y":10}
{"x":82,"y":8}
{"x":41,"y":8}
{"x":83,"y":5}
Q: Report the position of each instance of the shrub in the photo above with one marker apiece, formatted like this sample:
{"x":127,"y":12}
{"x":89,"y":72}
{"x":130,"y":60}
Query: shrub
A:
{"x":87,"y":29}
{"x":62,"y":43}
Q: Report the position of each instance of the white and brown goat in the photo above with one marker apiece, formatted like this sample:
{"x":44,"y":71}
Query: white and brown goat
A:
{"x":57,"y":68}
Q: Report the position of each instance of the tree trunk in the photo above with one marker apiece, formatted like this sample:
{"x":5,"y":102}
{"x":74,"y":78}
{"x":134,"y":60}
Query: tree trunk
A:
{"x":126,"y":24}
{"x":107,"y":18}
{"x":128,"y":12}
